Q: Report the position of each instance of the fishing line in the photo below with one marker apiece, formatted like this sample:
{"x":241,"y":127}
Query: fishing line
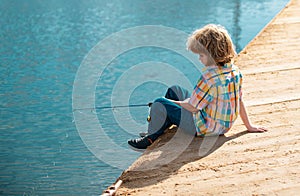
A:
{"x":114,"y":107}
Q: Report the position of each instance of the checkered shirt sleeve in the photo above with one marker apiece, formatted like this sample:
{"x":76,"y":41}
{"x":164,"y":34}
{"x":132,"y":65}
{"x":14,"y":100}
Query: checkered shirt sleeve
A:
{"x":202,"y":94}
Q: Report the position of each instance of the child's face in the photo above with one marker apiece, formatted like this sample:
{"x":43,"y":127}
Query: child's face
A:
{"x":204,"y":59}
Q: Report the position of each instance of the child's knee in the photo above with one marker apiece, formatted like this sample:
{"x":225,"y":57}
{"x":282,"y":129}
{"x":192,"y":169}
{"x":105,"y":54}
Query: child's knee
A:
{"x":173,"y":92}
{"x":159,"y":104}
{"x":160,"y":100}
{"x":158,"y":107}
{"x":174,"y":87}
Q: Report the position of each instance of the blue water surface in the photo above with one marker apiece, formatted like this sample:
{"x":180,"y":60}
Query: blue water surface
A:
{"x":42,"y":46}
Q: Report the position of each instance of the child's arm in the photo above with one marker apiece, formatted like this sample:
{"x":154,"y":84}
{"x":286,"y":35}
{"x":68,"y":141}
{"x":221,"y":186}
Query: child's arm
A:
{"x":246,"y":121}
{"x":186,"y":105}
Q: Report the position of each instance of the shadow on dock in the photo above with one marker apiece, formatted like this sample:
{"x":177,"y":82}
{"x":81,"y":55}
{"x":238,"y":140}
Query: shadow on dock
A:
{"x":155,"y":164}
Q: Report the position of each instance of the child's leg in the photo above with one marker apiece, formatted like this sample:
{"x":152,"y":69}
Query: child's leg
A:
{"x":164,"y":113}
{"x":159,"y":121}
{"x":177,"y":93}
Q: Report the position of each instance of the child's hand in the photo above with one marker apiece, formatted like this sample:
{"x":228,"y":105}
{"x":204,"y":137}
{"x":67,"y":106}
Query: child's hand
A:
{"x":254,"y":129}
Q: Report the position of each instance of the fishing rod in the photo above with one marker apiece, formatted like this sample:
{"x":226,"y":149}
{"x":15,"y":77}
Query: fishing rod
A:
{"x":114,"y":107}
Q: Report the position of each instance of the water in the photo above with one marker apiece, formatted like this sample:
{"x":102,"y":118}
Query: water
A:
{"x":42,"y":46}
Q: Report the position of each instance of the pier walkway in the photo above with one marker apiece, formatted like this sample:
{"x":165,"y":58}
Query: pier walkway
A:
{"x":241,"y":163}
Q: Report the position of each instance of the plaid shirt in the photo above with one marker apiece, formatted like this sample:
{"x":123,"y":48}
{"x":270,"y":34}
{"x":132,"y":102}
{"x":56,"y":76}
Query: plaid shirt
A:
{"x":217,"y":95}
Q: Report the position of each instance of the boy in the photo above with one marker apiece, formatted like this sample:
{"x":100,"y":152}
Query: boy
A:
{"x":216,"y":100}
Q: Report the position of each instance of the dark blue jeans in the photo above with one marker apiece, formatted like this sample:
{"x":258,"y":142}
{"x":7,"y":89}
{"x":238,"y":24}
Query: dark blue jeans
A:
{"x":164,"y":113}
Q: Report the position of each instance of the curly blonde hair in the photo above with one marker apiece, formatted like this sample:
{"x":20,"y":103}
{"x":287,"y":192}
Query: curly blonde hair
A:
{"x":214,"y":41}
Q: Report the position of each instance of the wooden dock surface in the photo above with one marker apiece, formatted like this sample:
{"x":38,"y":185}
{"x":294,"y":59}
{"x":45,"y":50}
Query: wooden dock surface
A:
{"x":241,"y":163}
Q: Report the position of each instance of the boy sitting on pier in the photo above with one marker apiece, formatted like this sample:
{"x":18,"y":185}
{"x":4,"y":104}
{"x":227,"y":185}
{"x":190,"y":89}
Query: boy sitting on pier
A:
{"x":216,"y":100}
